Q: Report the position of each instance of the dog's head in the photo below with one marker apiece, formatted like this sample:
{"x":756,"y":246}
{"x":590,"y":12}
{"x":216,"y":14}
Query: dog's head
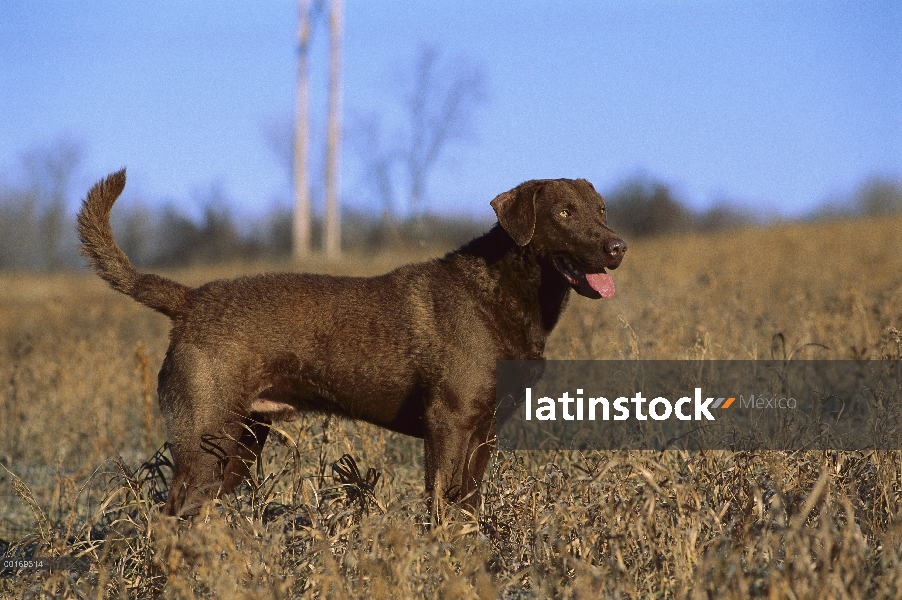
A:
{"x":565,"y":220}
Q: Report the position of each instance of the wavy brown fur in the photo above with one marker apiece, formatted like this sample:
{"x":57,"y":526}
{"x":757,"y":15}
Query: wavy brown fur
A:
{"x":413,"y":350}
{"x":111,"y":263}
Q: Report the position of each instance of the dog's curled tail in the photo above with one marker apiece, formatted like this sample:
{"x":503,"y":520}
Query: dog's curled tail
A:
{"x":111,"y":263}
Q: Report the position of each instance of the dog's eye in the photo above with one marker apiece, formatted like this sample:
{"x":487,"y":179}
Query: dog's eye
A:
{"x":564,"y":213}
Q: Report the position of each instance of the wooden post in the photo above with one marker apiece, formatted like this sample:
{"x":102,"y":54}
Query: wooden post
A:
{"x":333,"y":144}
{"x":301,"y":225}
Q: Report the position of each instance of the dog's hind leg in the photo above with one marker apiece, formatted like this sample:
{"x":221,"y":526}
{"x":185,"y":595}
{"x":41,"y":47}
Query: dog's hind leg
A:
{"x":213,"y":435}
{"x":214,"y":462}
{"x":255,"y":429}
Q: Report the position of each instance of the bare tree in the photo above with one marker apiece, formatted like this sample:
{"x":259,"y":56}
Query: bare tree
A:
{"x":332,"y":234}
{"x":439,"y":109}
{"x":380,"y":163}
{"x":50,"y":170}
{"x":301,"y":227}
{"x":436,"y":109}
{"x":34,"y":233}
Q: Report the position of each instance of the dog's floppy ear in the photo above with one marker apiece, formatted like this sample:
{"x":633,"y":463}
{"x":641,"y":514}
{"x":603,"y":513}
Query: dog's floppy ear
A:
{"x":516,"y":210}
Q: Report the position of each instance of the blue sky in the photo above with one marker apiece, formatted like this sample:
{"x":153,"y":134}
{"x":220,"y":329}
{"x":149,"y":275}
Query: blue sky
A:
{"x":773,"y":105}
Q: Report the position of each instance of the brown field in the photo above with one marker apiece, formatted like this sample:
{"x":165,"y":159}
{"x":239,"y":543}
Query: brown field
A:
{"x":78,"y":417}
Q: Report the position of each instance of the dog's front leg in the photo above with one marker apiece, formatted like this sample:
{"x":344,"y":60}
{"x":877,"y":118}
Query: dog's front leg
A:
{"x":479,"y":451}
{"x":449,"y":478}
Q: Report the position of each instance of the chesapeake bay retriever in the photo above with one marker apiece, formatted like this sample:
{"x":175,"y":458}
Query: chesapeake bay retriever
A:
{"x":413,"y":350}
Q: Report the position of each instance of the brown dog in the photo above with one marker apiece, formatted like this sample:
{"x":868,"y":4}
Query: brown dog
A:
{"x":413,"y":350}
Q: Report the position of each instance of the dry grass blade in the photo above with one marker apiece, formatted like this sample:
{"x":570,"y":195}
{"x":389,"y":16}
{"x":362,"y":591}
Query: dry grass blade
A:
{"x":359,"y":489}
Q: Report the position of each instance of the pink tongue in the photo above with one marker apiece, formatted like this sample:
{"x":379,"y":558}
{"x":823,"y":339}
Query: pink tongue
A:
{"x":601,"y":283}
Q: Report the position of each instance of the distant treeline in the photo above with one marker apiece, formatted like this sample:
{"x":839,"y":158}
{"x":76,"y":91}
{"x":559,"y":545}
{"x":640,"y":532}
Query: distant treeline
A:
{"x":644,"y":207}
{"x":39,"y":235}
{"x":37,"y":229}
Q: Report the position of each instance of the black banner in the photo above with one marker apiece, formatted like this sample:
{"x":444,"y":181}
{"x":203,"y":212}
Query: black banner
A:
{"x":700,"y":405}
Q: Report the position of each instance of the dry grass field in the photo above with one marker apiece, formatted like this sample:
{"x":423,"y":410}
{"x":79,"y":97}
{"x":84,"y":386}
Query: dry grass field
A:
{"x":78,"y":418}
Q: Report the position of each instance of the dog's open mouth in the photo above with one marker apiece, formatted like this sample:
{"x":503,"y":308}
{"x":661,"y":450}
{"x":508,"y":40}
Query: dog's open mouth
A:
{"x":591,"y":285}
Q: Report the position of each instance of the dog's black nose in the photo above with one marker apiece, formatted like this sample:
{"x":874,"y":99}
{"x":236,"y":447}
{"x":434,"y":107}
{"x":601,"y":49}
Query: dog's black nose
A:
{"x":615,"y":247}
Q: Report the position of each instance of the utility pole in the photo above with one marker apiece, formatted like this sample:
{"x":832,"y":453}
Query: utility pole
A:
{"x":301,"y":225}
{"x":332,"y":236}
